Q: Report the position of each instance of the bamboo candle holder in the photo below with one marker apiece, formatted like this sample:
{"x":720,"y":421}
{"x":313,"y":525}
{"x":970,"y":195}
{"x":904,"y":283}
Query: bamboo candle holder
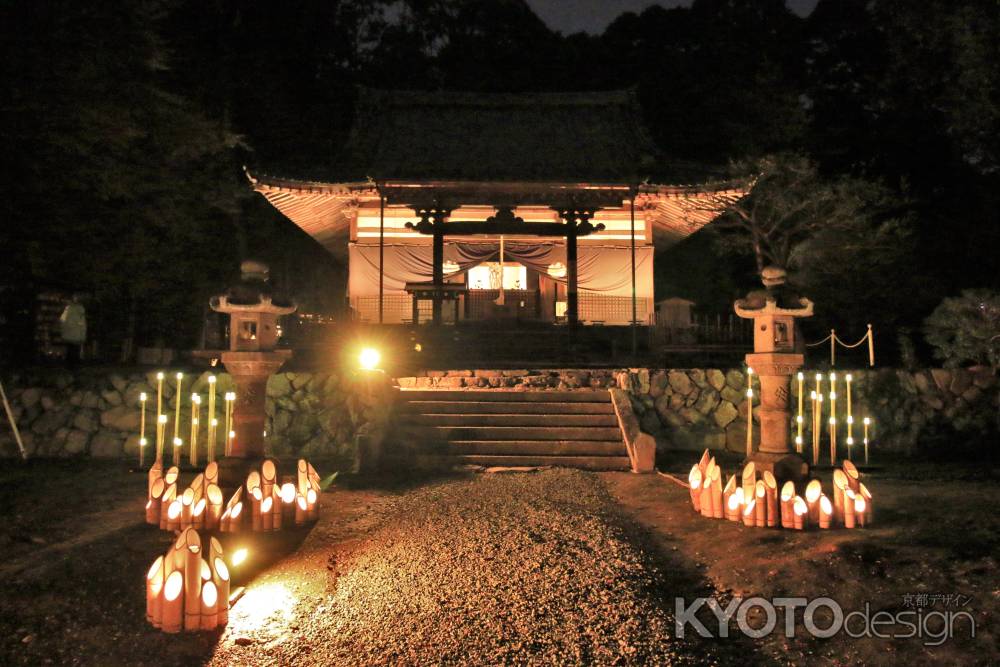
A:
{"x":760,"y":504}
{"x":814,"y":489}
{"x":750,"y":513}
{"x":749,"y":480}
{"x":694,"y":485}
{"x":825,"y":512}
{"x":172,"y":607}
{"x":787,"y":509}
{"x":771,"y":496}
{"x":800,"y":510}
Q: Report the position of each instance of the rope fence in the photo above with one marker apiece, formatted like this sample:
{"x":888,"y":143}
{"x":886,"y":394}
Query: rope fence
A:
{"x":836,"y":340}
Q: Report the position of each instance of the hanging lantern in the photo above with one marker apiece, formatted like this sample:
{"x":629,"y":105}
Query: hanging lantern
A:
{"x":557,"y":270}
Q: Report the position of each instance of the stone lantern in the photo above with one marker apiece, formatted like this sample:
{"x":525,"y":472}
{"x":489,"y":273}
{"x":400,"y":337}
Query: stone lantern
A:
{"x":252,"y":358}
{"x":774,"y":360}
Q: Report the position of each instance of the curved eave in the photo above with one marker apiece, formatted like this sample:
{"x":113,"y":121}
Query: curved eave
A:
{"x":676,"y":212}
{"x":324,"y":210}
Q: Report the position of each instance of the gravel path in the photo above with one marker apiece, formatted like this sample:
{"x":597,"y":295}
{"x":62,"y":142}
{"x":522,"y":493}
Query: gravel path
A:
{"x":507,"y":568}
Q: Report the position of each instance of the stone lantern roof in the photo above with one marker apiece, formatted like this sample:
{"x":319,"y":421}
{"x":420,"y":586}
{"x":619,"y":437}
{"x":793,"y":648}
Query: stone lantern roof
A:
{"x":253,"y":293}
{"x":777,"y":297}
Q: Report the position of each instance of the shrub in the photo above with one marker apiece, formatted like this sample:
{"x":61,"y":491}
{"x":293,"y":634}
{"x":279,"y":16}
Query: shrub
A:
{"x":965,"y":330}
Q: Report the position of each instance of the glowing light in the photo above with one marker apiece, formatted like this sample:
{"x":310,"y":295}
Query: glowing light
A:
{"x":221,"y":569}
{"x":175,"y":582}
{"x":142,"y":396}
{"x":867,"y":421}
{"x":180,"y":376}
{"x":369,"y":358}
{"x":211,"y":379}
{"x":162,"y":419}
{"x":557,"y":270}
{"x":749,"y":371}
{"x":268,"y":605}
{"x":801,"y":376}
{"x":239,"y":556}
{"x":159,"y":376}
{"x":450,"y":266}
{"x":287,"y":492}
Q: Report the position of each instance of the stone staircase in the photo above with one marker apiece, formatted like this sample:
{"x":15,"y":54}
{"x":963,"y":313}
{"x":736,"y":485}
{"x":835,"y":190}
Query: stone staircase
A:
{"x":576,"y":429}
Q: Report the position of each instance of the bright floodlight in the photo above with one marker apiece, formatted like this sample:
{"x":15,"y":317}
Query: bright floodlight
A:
{"x":369,"y":358}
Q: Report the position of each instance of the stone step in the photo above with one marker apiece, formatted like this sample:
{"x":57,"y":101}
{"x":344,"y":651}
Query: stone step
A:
{"x":443,"y":433}
{"x":412,"y":406}
{"x":584,"y":462}
{"x":537,"y":447}
{"x":433,"y":419}
{"x":497,"y":395}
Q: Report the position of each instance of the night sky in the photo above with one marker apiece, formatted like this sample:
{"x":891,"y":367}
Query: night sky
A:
{"x":593,"y":16}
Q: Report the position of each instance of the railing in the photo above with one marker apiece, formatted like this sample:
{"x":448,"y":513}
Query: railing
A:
{"x":480,"y":305}
{"x":715,"y":329}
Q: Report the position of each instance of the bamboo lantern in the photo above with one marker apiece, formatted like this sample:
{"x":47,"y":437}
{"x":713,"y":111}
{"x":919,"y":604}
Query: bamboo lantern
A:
{"x":302,"y":509}
{"x":817,"y":396}
{"x":833,"y":419}
{"x":142,"y":429}
{"x":814,"y":489}
{"x":749,"y":411}
{"x":154,"y":589}
{"x":192,"y":580}
{"x":825,"y":512}
{"x":694,"y":484}
{"x":256,"y":500}
{"x":749,"y":480}
{"x":850,"y":520}
{"x":859,"y":511}
{"x":171,"y":475}
{"x":288,"y":501}
{"x":312,"y":501}
{"x":153,"y":504}
{"x":799,"y":417}
{"x":850,"y":417}
{"x":867,"y":422}
{"x":187,"y":506}
{"x":221,"y":580}
{"x":715,"y":490}
{"x":760,"y":504}
{"x":787,"y":509}
{"x":727,"y":492}
{"x":276,"y":508}
{"x":266,"y":515}
{"x":268,"y":475}
{"x":174,"y":513}
{"x":702,"y":466}
{"x":155,"y":473}
{"x":209,"y":617}
{"x":706,"y":495}
{"x":863,"y":492}
{"x":195,"y":421}
{"x":839,"y":488}
{"x":734,"y":504}
{"x":211,"y":474}
{"x":750,"y":513}
{"x":236,"y":518}
{"x":212,"y":421}
{"x":199,"y":513}
{"x":800,"y":509}
{"x":169,"y":491}
{"x":172,"y":607}
{"x":214,"y":510}
{"x":771,"y":495}
{"x":852,"y":475}
{"x":160,"y":417}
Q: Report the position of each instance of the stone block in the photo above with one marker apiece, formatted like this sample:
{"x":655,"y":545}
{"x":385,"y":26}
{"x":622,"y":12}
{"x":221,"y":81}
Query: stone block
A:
{"x":735,"y":379}
{"x":984,"y":377}
{"x":734,"y":396}
{"x":716,"y":379}
{"x":961,"y":380}
{"x":122,"y":418}
{"x":30,"y":396}
{"x":725,"y":414}
{"x":109,"y":445}
{"x":278,"y":385}
{"x":650,"y":422}
{"x":942,"y":378}
{"x":76,"y":442}
{"x":698,"y":377}
{"x":707,"y":401}
{"x":680,"y":382}
{"x":657,"y":383}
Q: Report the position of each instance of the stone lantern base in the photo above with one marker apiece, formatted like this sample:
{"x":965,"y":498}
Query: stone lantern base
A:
{"x":785,"y":467}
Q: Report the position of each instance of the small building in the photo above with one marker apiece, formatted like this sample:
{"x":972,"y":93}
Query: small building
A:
{"x":451,"y":207}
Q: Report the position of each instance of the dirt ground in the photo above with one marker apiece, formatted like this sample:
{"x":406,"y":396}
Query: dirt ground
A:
{"x":546,"y":567}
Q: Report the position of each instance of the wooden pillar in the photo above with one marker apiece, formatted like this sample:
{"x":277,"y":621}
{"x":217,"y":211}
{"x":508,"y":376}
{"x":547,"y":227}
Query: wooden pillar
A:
{"x":572,"y":302}
{"x":438,"y":270}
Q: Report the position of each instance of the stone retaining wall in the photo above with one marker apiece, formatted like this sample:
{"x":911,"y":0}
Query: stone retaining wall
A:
{"x":96,"y":413}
